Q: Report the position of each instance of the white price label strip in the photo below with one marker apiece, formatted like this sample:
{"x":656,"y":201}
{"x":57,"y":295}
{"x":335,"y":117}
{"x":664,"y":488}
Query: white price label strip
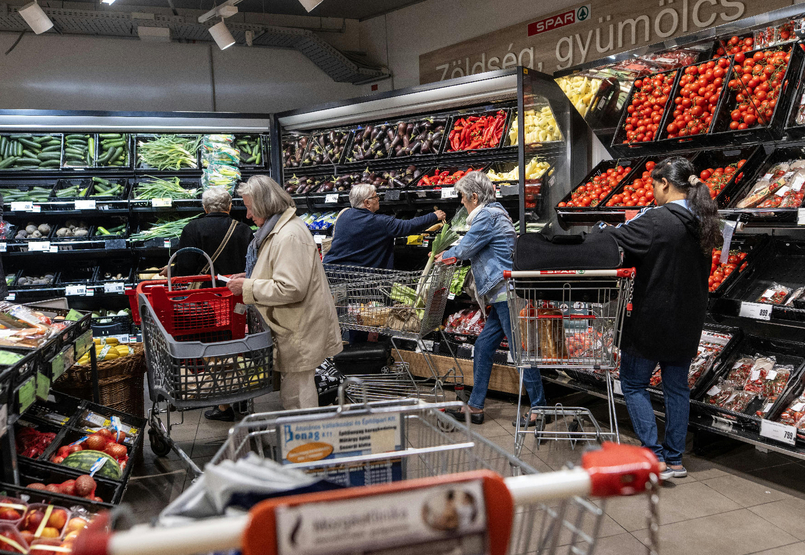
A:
{"x":85,"y":205}
{"x":756,"y":311}
{"x":71,"y":290}
{"x":3,"y":247}
{"x":22,"y":206}
{"x":161,"y":202}
{"x":39,"y":246}
{"x":115,"y":287}
{"x":331,"y":198}
{"x":801,"y":216}
{"x":778,"y":432}
{"x":449,"y":192}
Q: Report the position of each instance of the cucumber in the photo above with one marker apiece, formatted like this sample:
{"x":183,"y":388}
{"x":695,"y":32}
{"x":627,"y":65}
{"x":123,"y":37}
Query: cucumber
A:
{"x":41,"y":139}
{"x":27,"y":153}
{"x":105,"y":157}
{"x":29,"y":143}
{"x":110,"y":144}
{"x":75,"y":151}
{"x":50,"y":164}
{"x":7,"y":162}
{"x":110,"y":135}
{"x":52,"y":142}
{"x":116,"y":154}
{"x":49,"y":156}
{"x":25,"y":161}
{"x":74,"y":136}
{"x":53,"y":148}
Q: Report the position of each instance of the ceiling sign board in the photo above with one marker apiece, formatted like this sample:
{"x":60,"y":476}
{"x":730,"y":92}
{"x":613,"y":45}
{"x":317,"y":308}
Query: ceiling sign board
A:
{"x":583,"y":33}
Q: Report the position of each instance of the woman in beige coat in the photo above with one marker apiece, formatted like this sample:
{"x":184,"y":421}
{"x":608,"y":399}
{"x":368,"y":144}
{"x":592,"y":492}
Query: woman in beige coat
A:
{"x":285,"y":280}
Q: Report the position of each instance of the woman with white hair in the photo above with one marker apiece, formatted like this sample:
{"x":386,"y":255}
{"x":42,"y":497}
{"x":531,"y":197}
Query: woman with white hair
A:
{"x":362,"y":237}
{"x":285,"y":280}
{"x":225,"y":241}
{"x":489,"y":245}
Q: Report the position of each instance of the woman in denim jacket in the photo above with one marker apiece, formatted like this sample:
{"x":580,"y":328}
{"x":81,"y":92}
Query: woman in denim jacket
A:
{"x":489,"y":245}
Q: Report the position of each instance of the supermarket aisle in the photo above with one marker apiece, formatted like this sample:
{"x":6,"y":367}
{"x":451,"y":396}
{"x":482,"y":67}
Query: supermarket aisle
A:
{"x":735,"y":501}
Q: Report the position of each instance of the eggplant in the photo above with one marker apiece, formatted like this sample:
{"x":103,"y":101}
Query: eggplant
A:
{"x":366,"y":133}
{"x":416,"y":147}
{"x":402,"y":128}
{"x":417,"y":174}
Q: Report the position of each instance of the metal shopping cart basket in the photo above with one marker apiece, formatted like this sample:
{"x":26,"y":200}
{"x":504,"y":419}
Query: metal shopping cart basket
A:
{"x":568,"y":319}
{"x":401,"y":305}
{"x":433,"y":486}
{"x":203,"y":347}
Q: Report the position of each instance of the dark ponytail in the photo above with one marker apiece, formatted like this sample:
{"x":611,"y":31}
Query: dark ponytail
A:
{"x":680,"y":174}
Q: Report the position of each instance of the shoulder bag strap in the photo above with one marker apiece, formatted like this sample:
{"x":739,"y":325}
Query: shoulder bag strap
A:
{"x":221,"y":247}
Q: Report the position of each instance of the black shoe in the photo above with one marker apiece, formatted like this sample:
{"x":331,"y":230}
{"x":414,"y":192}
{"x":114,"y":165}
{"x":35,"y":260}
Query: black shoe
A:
{"x":547,"y":419}
{"x":242,"y":406}
{"x":227,"y":415}
{"x":475,"y":417}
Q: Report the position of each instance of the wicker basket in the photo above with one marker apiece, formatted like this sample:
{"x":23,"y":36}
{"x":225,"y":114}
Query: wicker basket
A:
{"x":120,"y":382}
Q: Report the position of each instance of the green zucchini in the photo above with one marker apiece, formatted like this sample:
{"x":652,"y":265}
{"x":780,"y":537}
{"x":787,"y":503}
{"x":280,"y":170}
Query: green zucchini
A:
{"x":24,"y":160}
{"x":51,"y":149}
{"x":109,"y":135}
{"x":74,"y":136}
{"x":49,"y":164}
{"x":27,"y":153}
{"x":29,"y":143}
{"x":116,"y":154}
{"x":7,"y":162}
{"x":49,"y":155}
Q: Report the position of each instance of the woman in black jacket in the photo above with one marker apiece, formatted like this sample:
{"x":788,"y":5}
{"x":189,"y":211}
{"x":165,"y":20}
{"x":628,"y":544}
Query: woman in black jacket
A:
{"x":670,"y":246}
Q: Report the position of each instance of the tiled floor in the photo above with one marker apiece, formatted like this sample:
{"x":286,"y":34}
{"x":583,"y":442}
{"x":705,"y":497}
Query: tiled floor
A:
{"x":736,"y":500}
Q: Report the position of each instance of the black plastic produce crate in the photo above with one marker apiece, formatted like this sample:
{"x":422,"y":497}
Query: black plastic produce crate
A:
{"x":187,"y":183}
{"x":294,"y":146}
{"x":766,"y":214}
{"x":27,"y":421}
{"x":246,"y":153}
{"x":754,"y":157}
{"x":637,"y":173}
{"x":29,"y":275}
{"x":70,"y":189}
{"x":58,"y":410}
{"x":636,"y":148}
{"x":782,"y":262}
{"x":108,"y":189}
{"x":784,"y":352}
{"x":36,"y":472}
{"x":753,"y":245}
{"x":796,"y":386}
{"x":29,"y":151}
{"x":490,"y":111}
{"x":78,"y":225}
{"x":76,"y":152}
{"x":430,"y":137}
{"x":701,"y":138}
{"x":106,"y":155}
{"x":111,"y":325}
{"x":147,"y":138}
{"x":318,"y":154}
{"x":572,"y":213}
{"x":795,"y":123}
{"x":78,"y":275}
{"x":773,"y":128}
{"x":109,"y":226}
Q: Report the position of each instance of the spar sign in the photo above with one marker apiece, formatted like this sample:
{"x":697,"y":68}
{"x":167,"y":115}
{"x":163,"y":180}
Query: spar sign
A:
{"x":559,"y":20}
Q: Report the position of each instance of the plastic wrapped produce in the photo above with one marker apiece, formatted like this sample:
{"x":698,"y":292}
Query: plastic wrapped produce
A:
{"x":775,"y":294}
{"x":739,"y":401}
{"x":719,"y":394}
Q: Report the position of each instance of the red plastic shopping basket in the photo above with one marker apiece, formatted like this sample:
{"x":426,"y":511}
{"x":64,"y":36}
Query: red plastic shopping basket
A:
{"x":206,"y":315}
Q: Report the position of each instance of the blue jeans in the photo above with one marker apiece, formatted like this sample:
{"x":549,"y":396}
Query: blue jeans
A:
{"x":635,"y":375}
{"x":498,"y":324}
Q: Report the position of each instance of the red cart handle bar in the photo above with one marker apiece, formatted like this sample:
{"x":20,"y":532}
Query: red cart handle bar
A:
{"x":620,"y":272}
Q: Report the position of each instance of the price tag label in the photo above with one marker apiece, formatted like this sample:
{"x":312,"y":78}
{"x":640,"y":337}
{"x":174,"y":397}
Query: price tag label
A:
{"x":318,"y":239}
{"x":11,"y":296}
{"x":451,"y":296}
{"x":722,"y":424}
{"x":3,"y":247}
{"x":90,"y":292}
{"x":115,"y":287}
{"x":616,"y":387}
{"x":42,"y":386}
{"x":421,"y":194}
{"x":449,"y":192}
{"x":85,"y":205}
{"x":393,"y":195}
{"x":426,"y":243}
{"x":22,"y":206}
{"x":57,"y":366}
{"x":331,"y":198}
{"x":498,"y":194}
{"x":756,"y":311}
{"x":39,"y":246}
{"x":800,"y":216}
{"x":73,"y":290}
{"x":55,"y":248}
{"x":26,"y":394}
{"x":161,"y":202}
{"x":166,"y":243}
{"x":114,"y":244}
{"x":778,"y":432}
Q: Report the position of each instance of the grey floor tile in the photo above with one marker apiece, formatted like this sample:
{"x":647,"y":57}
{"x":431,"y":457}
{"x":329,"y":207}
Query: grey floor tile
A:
{"x":790,"y":549}
{"x":789,"y":478}
{"x":747,"y":493}
{"x":734,"y":533}
{"x":788,"y":514}
{"x":678,"y":503}
{"x":148,"y":495}
{"x":619,"y":544}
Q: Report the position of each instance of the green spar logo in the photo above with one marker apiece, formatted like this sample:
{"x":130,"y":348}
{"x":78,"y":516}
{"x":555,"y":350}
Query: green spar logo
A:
{"x":582,"y":13}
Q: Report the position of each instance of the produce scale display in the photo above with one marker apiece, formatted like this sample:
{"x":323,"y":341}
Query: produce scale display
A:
{"x":733,"y":106}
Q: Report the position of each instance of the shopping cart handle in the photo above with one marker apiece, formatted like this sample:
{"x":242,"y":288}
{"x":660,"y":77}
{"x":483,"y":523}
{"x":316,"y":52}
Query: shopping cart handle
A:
{"x":620,"y":469}
{"x":449,"y":261}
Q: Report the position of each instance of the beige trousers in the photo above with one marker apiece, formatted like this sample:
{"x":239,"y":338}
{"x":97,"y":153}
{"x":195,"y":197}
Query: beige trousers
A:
{"x":298,"y":390}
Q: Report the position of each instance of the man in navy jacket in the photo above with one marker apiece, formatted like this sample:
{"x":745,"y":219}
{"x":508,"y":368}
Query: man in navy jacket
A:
{"x":362,"y":237}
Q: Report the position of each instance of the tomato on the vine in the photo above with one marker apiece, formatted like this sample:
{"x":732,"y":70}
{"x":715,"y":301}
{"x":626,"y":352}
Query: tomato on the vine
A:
{"x":638,"y":193}
{"x":735,"y":45}
{"x":697,"y":98}
{"x":716,"y":179}
{"x":719,"y":272}
{"x":756,"y":82}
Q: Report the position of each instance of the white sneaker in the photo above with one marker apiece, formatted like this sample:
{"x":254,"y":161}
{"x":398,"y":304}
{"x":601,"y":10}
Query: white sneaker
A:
{"x":669,"y":473}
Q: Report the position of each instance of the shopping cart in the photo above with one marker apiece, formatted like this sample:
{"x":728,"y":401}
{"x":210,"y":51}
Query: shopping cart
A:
{"x":401,"y":305}
{"x":568,"y":319}
{"x":434,"y":486}
{"x":203,"y":347}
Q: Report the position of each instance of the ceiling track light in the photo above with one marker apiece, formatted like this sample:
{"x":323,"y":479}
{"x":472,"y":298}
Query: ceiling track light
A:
{"x":35,"y":17}
{"x":310,"y":4}
{"x":227,"y":9}
{"x":223,"y":38}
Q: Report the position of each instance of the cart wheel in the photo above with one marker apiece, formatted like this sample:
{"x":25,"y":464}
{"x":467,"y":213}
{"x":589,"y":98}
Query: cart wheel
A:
{"x":159,"y":446}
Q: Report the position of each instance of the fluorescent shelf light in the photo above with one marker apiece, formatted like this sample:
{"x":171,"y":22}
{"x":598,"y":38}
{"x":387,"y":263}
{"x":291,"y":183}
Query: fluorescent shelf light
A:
{"x":36,"y":18}
{"x":223,"y":38}
{"x":110,"y":2}
{"x":154,"y":34}
{"x":310,"y":4}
